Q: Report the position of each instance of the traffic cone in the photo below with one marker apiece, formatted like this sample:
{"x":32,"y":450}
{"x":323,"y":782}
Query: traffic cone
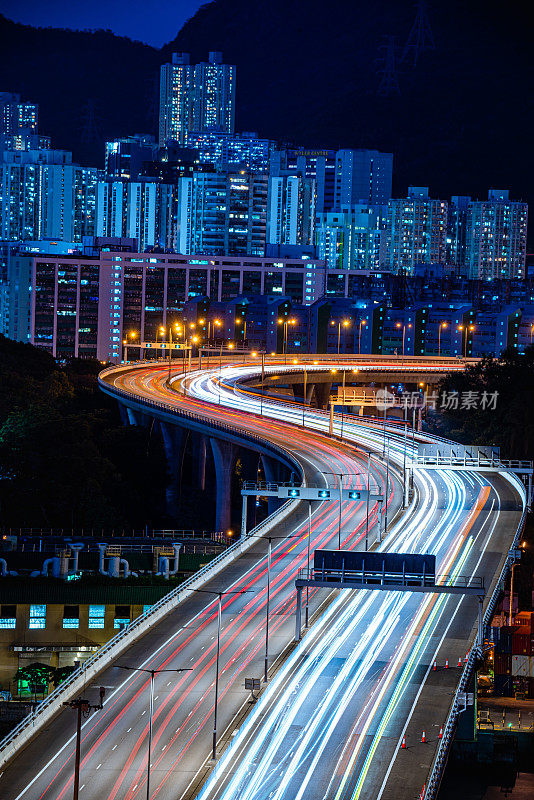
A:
{"x":403,"y":745}
{"x":440,"y":734}
{"x":466,"y":659}
{"x":423,"y":738}
{"x":447,"y":663}
{"x":459,"y":662}
{"x":434,"y":668}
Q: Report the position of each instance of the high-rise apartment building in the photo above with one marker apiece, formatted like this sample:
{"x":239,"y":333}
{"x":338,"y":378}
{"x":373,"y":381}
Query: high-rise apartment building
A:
{"x":291,"y":210}
{"x":227,"y":151}
{"x":124,"y":158}
{"x":456,"y":245}
{"x":352,"y":238}
{"x":144,"y":210}
{"x":496,"y":240}
{"x":19,"y":121}
{"x":415,"y":231}
{"x":317,"y":164}
{"x":222,"y":213}
{"x":196,"y":98}
{"x":362,"y":176}
{"x":44,"y":195}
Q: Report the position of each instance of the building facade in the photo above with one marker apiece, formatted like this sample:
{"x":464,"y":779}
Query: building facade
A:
{"x":496,"y":244}
{"x":222,"y":213}
{"x":44,"y":195}
{"x":362,"y":177}
{"x":196,"y":98}
{"x":416,"y":230}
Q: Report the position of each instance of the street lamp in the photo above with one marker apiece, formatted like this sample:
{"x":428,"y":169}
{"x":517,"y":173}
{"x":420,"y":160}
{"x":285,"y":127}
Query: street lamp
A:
{"x":219,"y":612}
{"x":441,"y":325}
{"x":468,"y":329}
{"x":152,"y":673}
{"x":230,"y":347}
{"x":362,"y":322}
{"x":255,"y":355}
{"x":342,"y":399}
{"x":161,"y":330}
{"x":531,"y":332}
{"x":400,"y":325}
{"x":285,"y":323}
{"x":345,"y":323}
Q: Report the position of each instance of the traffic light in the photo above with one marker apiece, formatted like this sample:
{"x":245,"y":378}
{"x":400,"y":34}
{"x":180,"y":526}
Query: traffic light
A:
{"x":324,"y":494}
{"x":354,"y":495}
{"x":294,"y":493}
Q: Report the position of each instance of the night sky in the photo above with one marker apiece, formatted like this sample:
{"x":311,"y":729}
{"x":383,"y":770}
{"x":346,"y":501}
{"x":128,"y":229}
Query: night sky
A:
{"x":155,"y":22}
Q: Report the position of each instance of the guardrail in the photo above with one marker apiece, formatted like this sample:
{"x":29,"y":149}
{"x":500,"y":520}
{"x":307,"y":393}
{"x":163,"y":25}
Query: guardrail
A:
{"x":442,"y":754}
{"x":52,"y":704}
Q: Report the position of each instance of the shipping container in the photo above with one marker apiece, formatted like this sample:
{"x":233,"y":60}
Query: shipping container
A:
{"x":521,"y":666}
{"x":502,"y":664}
{"x":521,"y":644}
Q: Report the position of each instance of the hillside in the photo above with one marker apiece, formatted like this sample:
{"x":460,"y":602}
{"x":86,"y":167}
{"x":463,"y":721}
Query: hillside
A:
{"x":460,"y":123}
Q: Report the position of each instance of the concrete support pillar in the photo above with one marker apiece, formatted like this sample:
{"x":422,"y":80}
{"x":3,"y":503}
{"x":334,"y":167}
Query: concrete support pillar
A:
{"x":199,"y":461}
{"x":273,"y":472}
{"x":249,"y":461}
{"x":123,"y":414}
{"x":298,"y":391}
{"x":174,"y":442}
{"x":223,"y":458}
{"x":322,"y":393}
{"x":309,"y":393}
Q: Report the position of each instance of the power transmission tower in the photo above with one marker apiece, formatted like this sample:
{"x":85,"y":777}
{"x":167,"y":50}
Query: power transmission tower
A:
{"x":90,"y":132}
{"x":421,"y":37}
{"x":389,"y":83}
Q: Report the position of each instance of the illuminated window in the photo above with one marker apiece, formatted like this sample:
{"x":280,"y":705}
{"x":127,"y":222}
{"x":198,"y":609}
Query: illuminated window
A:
{"x":37,"y":617}
{"x":97,"y":616}
{"x":71,"y":617}
{"x":122,"y":616}
{"x":8,"y":617}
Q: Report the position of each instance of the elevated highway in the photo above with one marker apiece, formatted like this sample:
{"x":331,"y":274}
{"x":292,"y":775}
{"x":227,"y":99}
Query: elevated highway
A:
{"x":331,"y":720}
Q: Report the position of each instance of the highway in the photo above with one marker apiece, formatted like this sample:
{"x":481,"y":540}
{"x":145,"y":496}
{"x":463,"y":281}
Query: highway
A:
{"x":331,"y":720}
{"x":115,"y":740}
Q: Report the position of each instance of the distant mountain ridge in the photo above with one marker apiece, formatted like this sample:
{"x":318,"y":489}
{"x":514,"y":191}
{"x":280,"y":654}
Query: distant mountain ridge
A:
{"x":310,"y":73}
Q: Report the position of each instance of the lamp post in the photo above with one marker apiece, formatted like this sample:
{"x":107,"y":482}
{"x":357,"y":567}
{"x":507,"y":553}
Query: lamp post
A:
{"x":345,"y":323}
{"x":531,"y":332}
{"x":285,"y":323}
{"x":441,"y":325}
{"x":362,"y":322}
{"x":230,"y":347}
{"x":367,"y":503}
{"x":162,"y":332}
{"x":83,"y":707}
{"x":400,"y":325}
{"x":466,"y":330}
{"x":219,"y":612}
{"x":255,"y":355}
{"x":152,"y":673}
{"x":404,"y":464}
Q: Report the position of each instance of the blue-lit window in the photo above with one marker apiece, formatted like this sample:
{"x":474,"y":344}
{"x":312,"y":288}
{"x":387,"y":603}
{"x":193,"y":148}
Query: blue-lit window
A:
{"x":37,"y":617}
{"x":71,"y":617}
{"x":97,"y":616}
{"x":8,"y":617}
{"x":122,"y":616}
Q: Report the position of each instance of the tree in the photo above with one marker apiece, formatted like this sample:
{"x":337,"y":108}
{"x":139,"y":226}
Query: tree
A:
{"x":37,"y":675}
{"x":509,"y":423}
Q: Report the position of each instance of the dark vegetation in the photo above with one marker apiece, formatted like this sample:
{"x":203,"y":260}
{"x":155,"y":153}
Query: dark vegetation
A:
{"x":65,"y":459}
{"x":511,"y":424}
{"x":309,"y":73}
